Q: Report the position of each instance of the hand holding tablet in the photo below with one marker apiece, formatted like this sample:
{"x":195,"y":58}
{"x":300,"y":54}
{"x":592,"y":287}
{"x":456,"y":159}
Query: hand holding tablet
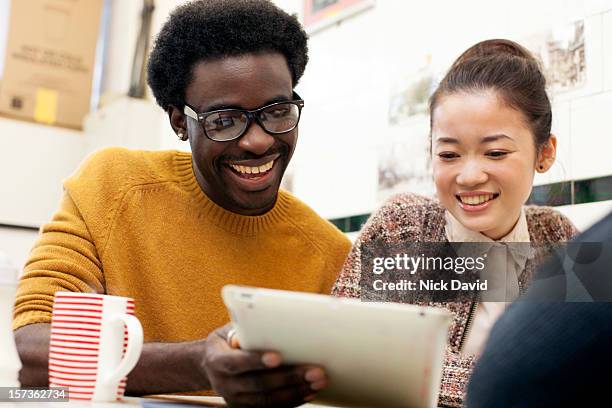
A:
{"x":374,"y":354}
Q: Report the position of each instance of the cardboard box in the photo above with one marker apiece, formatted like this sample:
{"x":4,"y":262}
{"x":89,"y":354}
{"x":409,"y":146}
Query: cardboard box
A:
{"x":50,"y":59}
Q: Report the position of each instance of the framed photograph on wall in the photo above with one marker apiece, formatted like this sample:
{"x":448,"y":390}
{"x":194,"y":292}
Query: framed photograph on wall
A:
{"x":319,"y":14}
{"x":562,"y":52}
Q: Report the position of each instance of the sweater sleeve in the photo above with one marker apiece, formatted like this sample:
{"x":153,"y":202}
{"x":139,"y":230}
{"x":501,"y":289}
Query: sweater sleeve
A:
{"x":64,"y":258}
{"x":347,"y":282}
{"x":399,"y":219}
{"x":569,"y":228}
{"x":548,"y":225}
{"x":456,"y":374}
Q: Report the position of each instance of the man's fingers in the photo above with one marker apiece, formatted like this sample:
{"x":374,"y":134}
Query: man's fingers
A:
{"x":237,"y":362}
{"x":258,"y":379}
{"x":223,"y":359}
{"x":291,"y":396}
{"x":267,"y":380}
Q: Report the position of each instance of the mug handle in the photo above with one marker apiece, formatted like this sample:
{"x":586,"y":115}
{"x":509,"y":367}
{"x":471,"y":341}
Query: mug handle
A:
{"x":133,"y":350}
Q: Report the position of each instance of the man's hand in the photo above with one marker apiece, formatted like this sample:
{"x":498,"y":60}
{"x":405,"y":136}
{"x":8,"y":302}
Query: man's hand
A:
{"x":258,"y":379}
{"x":244,"y":379}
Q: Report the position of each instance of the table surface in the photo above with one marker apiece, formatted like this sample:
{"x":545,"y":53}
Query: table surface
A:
{"x":126,"y":402}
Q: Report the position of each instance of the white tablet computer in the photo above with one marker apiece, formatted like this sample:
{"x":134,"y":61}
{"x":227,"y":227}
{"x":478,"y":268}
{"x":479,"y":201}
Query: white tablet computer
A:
{"x":375,"y":354}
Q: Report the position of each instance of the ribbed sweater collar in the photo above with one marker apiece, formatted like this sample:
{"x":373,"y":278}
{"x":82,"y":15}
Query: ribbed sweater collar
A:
{"x":229,"y":221}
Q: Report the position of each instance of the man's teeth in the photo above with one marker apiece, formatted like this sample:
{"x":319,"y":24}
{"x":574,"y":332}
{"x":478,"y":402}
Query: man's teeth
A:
{"x":475,"y":200}
{"x":253,"y":169}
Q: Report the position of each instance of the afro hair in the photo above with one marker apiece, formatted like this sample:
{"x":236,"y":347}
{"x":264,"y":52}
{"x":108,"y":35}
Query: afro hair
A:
{"x":212,"y":29}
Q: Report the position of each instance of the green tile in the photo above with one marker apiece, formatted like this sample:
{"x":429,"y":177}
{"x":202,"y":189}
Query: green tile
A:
{"x":553,"y":194}
{"x":592,"y":190}
{"x":350,"y":224}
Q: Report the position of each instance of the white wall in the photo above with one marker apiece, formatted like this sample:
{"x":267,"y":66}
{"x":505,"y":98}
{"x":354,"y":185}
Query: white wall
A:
{"x":585,"y":215}
{"x":16,"y":243}
{"x":4,"y":17}
{"x":36,"y":158}
{"x":355,"y":65}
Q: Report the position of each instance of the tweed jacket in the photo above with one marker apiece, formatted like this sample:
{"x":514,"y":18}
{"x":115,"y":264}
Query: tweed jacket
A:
{"x":413,"y":218}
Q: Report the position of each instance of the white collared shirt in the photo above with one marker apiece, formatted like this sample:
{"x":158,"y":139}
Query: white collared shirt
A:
{"x":502,"y":272}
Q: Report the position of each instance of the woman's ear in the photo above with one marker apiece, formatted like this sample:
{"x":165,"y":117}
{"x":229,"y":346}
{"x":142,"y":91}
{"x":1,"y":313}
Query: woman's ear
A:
{"x":546,"y":155}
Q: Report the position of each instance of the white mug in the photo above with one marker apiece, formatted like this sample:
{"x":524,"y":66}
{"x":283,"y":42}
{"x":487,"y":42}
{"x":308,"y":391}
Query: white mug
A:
{"x":95,"y":342}
{"x":10,"y":366}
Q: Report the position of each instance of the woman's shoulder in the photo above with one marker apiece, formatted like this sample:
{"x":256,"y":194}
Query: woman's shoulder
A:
{"x":413,"y":206}
{"x":407,"y":217}
{"x":548,"y":225}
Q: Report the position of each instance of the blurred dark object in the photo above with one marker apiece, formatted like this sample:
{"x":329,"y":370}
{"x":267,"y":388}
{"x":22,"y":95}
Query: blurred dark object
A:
{"x":138,"y":76}
{"x":553,"y":353}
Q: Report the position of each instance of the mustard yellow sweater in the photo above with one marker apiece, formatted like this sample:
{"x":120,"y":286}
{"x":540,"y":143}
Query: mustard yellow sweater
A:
{"x":137,"y":224}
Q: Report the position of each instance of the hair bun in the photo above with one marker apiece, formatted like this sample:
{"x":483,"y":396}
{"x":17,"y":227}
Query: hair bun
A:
{"x":495,"y":48}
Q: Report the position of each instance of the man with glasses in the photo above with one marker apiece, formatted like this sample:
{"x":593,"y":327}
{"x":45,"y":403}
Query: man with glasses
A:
{"x":170,"y":229}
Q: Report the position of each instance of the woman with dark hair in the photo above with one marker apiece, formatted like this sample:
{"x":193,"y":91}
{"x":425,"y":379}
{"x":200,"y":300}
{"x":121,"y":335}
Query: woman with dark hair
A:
{"x":490,"y":132}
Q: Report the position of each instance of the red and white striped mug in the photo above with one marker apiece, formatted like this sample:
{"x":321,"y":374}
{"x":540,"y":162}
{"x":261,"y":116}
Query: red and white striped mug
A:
{"x":95,"y":342}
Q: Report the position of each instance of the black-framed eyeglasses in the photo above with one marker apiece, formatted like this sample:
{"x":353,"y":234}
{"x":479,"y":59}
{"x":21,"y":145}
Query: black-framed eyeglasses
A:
{"x":224,"y":125}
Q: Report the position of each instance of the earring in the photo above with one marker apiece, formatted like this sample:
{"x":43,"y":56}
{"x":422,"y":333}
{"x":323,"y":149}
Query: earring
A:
{"x":182,"y":136}
{"x":541,"y":167}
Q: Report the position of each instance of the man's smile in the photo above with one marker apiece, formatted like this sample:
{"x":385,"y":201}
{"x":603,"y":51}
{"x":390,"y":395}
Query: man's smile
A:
{"x":253,"y":171}
{"x":254,"y":174}
{"x":253,"y":168}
